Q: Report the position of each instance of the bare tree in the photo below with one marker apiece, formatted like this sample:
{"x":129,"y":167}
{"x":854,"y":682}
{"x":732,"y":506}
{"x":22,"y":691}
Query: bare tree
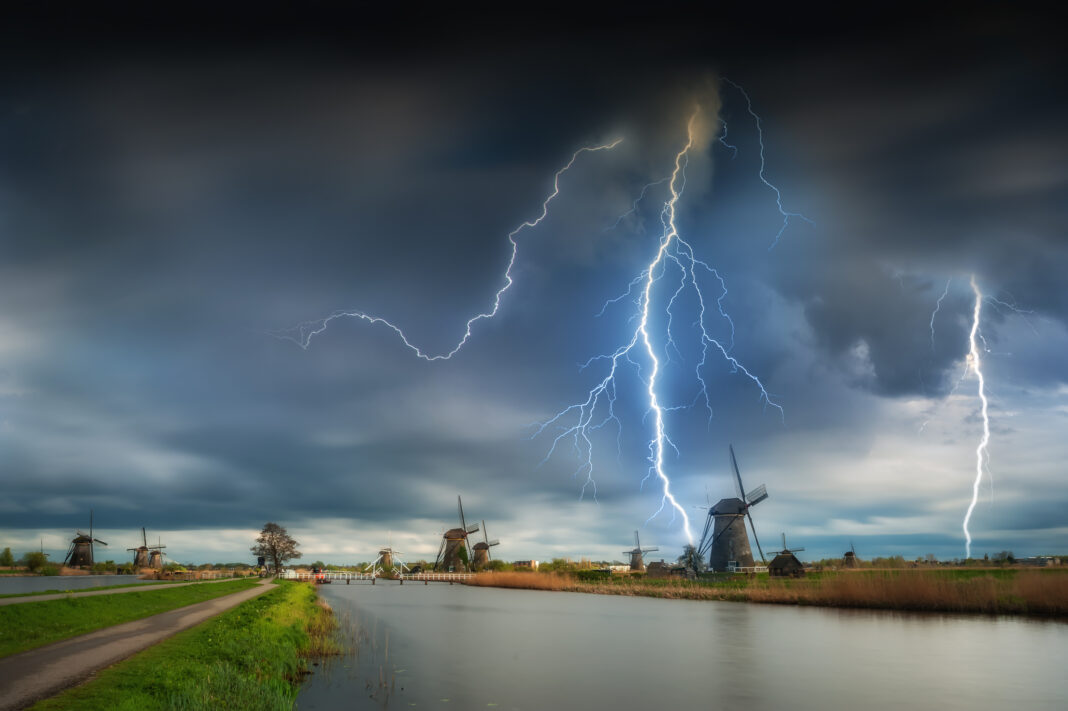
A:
{"x":276,"y":545}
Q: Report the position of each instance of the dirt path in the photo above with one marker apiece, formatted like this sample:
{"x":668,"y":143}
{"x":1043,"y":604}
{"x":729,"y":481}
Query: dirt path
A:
{"x":90,"y":593}
{"x":39,"y":673}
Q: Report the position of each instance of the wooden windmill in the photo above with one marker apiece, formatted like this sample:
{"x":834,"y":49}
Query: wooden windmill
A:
{"x":81,"y":548}
{"x":724,"y":538}
{"x":482,"y":550}
{"x":786,"y":564}
{"x":455,"y":547}
{"x":637,"y":564}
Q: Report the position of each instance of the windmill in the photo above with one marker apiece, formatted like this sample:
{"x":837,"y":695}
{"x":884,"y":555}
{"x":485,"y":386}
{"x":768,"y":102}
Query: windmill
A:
{"x":146,"y":556}
{"x":636,"y":563}
{"x":80,"y":552}
{"x":849,"y":559}
{"x":387,"y":560}
{"x":786,"y":564}
{"x":455,"y":551}
{"x":482,"y":550}
{"x":724,"y":539}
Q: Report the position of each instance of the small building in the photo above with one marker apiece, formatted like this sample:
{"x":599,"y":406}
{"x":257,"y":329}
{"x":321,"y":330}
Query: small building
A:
{"x":530,"y":564}
{"x":658,"y":570}
{"x":786,"y":565}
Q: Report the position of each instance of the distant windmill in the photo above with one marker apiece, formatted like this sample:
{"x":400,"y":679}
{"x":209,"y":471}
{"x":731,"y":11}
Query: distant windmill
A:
{"x":482,"y":550}
{"x":850,"y":560}
{"x":387,"y":560}
{"x":724,"y":539}
{"x":636,"y":562}
{"x":146,"y":556}
{"x":80,"y":552}
{"x":452,"y":541}
{"x":786,"y":564}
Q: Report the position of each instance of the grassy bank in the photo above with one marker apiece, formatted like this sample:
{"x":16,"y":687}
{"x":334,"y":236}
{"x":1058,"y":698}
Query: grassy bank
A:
{"x":32,"y":624}
{"x":252,"y":657}
{"x":1024,"y":592}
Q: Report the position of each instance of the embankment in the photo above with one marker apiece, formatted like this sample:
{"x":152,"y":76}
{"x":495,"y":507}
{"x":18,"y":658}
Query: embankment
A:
{"x":1015,"y":592}
{"x":252,"y":657}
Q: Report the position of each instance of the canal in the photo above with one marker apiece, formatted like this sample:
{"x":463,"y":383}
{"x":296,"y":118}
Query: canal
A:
{"x":457,"y":647}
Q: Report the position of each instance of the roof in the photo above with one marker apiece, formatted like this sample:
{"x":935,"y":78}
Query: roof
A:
{"x":729,"y":506}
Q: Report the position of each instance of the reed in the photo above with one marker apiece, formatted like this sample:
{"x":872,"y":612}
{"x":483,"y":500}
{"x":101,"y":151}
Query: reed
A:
{"x":1027,"y":592}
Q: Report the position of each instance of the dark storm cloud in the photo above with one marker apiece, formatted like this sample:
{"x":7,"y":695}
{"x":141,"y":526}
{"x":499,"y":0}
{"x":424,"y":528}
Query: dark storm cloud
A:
{"x":170,"y":193}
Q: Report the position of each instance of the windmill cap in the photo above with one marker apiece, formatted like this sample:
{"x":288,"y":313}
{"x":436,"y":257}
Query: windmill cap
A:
{"x":729,"y":506}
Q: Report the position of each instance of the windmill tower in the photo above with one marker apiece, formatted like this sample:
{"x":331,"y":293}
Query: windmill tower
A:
{"x":155,"y":555}
{"x":141,"y":552}
{"x":482,"y":550}
{"x":81,"y":551}
{"x":786,"y":564}
{"x":724,"y":538}
{"x":849,"y":559}
{"x":636,"y":563}
{"x":453,"y":541}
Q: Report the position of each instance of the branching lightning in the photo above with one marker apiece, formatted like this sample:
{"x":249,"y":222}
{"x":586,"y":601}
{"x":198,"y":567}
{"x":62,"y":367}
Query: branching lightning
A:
{"x":938,"y":306}
{"x":303,"y":333}
{"x":778,"y":194}
{"x":579,"y":421}
{"x":981,"y":450}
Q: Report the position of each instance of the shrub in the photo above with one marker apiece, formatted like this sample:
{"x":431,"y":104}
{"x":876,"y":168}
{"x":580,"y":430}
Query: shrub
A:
{"x":35,"y":561}
{"x":6,"y":559}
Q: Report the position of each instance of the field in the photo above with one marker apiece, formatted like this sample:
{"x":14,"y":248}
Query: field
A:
{"x":28,"y":625}
{"x":102,"y":587}
{"x":252,"y":657}
{"x":1000,"y":591}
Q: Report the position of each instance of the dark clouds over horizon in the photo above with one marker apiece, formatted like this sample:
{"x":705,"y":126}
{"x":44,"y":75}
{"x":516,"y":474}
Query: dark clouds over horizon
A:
{"x":170,"y":197}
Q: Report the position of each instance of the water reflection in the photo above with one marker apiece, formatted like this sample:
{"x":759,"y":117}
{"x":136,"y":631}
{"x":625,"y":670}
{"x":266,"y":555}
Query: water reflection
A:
{"x":458,"y":647}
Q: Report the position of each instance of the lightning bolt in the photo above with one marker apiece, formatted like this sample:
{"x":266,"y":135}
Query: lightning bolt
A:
{"x":579,"y":421}
{"x":981,"y":450}
{"x":786,"y":215}
{"x":303,"y":333}
{"x":938,"y":306}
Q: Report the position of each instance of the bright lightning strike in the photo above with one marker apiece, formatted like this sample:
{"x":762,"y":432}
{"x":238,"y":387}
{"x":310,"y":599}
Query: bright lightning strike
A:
{"x":578,"y":422}
{"x":981,"y":450}
{"x":938,"y":306}
{"x":303,"y":333}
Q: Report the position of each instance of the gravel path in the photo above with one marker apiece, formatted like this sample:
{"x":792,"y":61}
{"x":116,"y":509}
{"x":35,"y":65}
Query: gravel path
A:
{"x":39,"y":673}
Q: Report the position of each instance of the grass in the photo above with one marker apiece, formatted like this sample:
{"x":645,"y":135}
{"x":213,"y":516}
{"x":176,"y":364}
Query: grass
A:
{"x":1022,"y":592}
{"x":103,"y":587}
{"x":251,"y":657}
{"x":32,"y":624}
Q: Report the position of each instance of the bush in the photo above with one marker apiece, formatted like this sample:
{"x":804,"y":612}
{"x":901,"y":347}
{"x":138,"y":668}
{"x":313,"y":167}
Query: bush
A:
{"x":592,"y":576}
{"x":34,"y":561}
{"x":50,"y":570}
{"x":6,"y":559}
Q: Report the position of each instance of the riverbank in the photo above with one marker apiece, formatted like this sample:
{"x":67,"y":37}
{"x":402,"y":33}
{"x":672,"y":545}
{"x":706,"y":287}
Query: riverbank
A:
{"x":29,"y":625}
{"x":1001,"y":592}
{"x":252,"y":657}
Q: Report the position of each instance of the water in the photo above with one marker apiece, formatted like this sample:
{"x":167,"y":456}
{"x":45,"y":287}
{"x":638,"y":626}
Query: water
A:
{"x":459,"y":647}
{"x":13,"y":585}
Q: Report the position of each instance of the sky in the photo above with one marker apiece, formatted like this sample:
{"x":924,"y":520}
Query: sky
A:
{"x":179,"y":193}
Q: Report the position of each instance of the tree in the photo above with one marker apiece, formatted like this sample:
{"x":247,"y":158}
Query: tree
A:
{"x":6,"y":558}
{"x":276,"y":545}
{"x":35,"y":561}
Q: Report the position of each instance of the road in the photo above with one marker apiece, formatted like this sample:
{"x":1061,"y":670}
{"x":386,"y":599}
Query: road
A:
{"x":39,"y":673}
{"x":90,"y":593}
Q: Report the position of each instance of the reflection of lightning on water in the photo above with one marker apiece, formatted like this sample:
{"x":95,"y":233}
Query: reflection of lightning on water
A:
{"x":303,"y":333}
{"x":578,"y":422}
{"x":981,"y":450}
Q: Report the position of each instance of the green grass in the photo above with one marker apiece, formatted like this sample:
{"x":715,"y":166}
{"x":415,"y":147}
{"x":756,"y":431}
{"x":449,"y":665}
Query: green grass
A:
{"x":103,"y":587}
{"x":32,"y":624}
{"x":251,"y":657}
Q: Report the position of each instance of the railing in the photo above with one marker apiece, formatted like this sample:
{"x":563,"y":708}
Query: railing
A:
{"x":747,"y":568}
{"x":346,"y":576}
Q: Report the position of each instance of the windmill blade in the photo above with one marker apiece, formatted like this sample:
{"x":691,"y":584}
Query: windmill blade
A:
{"x":737,"y":474}
{"x":473,"y":528}
{"x":97,"y":540}
{"x":144,"y":537}
{"x":649,"y":550}
{"x":637,"y":543}
{"x":757,"y":495}
{"x":796,"y":550}
{"x":492,"y":543}
{"x":485,"y":534}
{"x":753,"y":529}
{"x":852,"y":548}
{"x":784,"y":541}
{"x":460,"y":506}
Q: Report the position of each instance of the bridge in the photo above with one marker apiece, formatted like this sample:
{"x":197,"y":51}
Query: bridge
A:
{"x":348,"y":577}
